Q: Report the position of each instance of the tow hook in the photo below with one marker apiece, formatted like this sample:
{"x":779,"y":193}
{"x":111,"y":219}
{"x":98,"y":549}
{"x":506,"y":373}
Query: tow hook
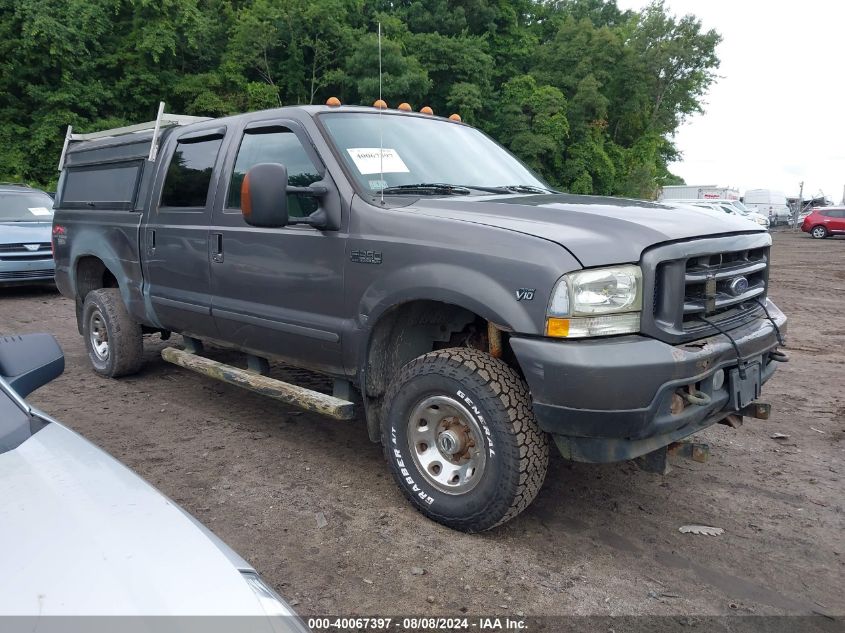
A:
{"x":779,"y":356}
{"x":698,"y":397}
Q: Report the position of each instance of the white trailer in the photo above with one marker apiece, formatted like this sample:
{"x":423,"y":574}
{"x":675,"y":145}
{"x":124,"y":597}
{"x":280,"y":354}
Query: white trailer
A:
{"x":698,"y":192}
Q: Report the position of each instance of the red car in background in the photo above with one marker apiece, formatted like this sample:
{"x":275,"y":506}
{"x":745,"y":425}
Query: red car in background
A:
{"x":825,"y":221}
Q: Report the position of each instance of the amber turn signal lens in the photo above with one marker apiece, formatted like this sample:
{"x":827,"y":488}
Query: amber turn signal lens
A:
{"x":557,"y":327}
{"x":426,"y":110}
{"x":380,"y":104}
{"x":333,"y":102}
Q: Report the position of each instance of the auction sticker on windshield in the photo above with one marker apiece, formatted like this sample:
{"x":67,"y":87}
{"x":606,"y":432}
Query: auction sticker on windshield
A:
{"x":366,"y":159}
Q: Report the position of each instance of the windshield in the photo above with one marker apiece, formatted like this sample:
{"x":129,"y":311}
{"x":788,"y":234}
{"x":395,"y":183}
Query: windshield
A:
{"x":420,"y":151}
{"x":741,"y":207}
{"x":29,"y":206}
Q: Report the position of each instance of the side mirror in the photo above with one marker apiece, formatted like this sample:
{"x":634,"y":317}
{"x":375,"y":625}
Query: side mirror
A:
{"x":264,"y":200}
{"x":30,"y":361}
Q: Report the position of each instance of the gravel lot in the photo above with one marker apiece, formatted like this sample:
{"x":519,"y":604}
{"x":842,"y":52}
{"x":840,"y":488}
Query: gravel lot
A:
{"x":598,"y":540}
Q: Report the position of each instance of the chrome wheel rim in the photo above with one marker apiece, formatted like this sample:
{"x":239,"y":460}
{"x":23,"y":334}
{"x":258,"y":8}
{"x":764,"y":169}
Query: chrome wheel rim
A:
{"x":98,"y":335}
{"x":447,"y":444}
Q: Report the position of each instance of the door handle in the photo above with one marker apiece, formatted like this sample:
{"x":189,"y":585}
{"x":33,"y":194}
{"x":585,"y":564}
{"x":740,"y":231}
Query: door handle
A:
{"x":217,"y":247}
{"x":151,"y":241}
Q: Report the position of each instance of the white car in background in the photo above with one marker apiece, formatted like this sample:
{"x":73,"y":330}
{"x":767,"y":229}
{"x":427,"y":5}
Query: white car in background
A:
{"x":82,"y":535}
{"x":731,"y":207}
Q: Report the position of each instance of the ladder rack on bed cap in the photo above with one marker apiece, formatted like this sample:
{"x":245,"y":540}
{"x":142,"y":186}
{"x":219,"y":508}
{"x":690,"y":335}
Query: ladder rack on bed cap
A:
{"x":162,"y":120}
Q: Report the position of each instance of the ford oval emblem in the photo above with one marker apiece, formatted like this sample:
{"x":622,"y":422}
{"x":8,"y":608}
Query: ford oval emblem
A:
{"x":738,"y":286}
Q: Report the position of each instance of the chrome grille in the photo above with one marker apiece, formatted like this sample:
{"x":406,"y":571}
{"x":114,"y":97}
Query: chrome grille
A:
{"x":15,"y":248}
{"x":20,"y":252}
{"x":722,"y":283}
{"x":699,"y":284}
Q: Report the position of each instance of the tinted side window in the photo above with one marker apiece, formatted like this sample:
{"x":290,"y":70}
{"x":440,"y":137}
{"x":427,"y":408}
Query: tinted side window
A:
{"x":838,"y":213}
{"x":109,"y":185}
{"x":189,"y":173}
{"x":275,"y":145}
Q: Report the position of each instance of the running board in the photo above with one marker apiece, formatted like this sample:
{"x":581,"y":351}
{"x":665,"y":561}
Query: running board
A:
{"x":289,"y":394}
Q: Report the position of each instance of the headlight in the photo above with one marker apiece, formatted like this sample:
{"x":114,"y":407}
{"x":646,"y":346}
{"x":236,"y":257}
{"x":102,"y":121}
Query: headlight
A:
{"x":597,"y":302}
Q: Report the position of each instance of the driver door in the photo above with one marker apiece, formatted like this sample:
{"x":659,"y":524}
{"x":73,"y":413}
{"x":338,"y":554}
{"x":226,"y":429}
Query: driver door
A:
{"x":278,"y":291}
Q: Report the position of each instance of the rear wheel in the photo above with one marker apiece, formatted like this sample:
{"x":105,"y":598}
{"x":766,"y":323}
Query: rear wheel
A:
{"x":461,"y":439}
{"x":819,"y":232}
{"x":113,"y":339}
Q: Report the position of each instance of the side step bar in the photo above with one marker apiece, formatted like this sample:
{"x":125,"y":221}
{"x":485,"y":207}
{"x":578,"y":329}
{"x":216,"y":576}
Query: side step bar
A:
{"x":290,"y":394}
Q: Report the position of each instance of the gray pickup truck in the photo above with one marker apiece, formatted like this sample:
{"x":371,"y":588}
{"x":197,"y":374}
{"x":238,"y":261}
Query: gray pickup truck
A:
{"x":468,"y":313}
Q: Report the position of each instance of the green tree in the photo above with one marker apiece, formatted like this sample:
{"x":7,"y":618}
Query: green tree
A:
{"x":588,"y":95}
{"x":533,"y":124}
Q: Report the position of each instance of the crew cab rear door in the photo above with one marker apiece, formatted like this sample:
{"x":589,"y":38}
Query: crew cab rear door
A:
{"x":278,"y":292}
{"x":176,"y":236}
{"x":837,"y":220}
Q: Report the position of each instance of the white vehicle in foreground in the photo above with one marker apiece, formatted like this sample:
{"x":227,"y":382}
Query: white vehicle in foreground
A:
{"x":82,"y":535}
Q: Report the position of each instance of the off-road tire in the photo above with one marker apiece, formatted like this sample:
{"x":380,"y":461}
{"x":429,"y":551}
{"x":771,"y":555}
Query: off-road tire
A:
{"x":517,"y":455}
{"x":818,"y":232}
{"x":125,"y":340}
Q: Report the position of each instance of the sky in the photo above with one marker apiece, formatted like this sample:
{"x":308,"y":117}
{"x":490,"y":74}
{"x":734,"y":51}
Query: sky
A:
{"x":775,"y":116}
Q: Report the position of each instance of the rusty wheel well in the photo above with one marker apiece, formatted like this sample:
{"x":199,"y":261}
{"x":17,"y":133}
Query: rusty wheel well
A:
{"x":416,"y":328}
{"x":91,"y":274}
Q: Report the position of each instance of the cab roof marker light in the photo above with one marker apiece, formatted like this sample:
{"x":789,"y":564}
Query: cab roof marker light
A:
{"x":333,"y":102}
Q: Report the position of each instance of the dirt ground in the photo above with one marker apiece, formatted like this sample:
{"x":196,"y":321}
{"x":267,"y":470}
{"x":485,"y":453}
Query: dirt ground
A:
{"x":598,"y":540}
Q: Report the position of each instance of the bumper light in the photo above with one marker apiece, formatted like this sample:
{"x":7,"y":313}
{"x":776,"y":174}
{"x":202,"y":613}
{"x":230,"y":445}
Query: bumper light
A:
{"x":582,"y":327}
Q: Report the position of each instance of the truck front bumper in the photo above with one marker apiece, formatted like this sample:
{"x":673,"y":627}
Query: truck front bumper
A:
{"x":613,"y":399}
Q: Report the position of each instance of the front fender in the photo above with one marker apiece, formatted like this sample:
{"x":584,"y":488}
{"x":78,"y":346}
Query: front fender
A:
{"x":492,"y":299}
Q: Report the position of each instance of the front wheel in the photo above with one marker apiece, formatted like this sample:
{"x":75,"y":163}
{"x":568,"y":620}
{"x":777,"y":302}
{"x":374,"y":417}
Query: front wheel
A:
{"x":114,"y":340}
{"x":819,"y":232}
{"x":461,"y":439}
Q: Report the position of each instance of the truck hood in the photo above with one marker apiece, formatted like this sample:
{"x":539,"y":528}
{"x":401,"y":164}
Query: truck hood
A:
{"x":25,"y":232}
{"x":596,"y":230}
{"x":81,"y":534}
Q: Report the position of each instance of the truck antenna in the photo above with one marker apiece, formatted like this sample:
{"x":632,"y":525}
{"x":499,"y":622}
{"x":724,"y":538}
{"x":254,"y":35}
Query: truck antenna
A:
{"x":380,"y":133}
